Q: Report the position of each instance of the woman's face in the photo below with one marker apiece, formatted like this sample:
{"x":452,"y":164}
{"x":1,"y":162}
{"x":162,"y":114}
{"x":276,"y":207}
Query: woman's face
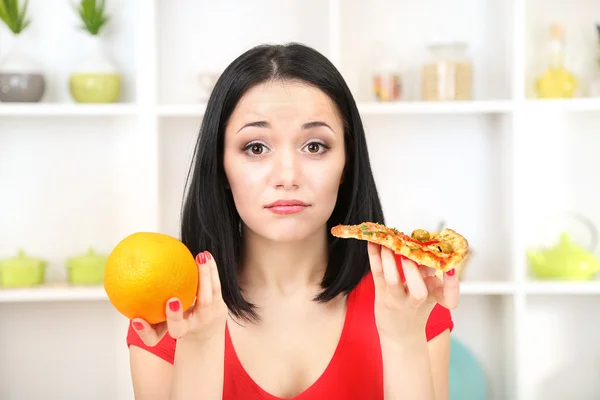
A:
{"x":284,"y":143}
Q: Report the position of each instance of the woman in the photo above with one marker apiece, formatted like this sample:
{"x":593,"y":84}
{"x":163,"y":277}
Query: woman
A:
{"x":285,"y":310}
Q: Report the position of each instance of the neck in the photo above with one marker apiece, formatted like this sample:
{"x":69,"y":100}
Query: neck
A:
{"x":283,"y":268}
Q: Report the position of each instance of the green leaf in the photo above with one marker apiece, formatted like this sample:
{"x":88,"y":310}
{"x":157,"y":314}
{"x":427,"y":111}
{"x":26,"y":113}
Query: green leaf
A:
{"x":14,"y":16}
{"x":92,"y":15}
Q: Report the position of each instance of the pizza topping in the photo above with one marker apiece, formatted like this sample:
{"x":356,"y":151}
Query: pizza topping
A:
{"x":420,"y":235}
{"x":445,"y":247}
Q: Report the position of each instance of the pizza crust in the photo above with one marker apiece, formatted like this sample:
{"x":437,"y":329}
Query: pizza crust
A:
{"x":424,"y":253}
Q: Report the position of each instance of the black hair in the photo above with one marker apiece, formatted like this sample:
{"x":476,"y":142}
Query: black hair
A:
{"x":209,"y":218}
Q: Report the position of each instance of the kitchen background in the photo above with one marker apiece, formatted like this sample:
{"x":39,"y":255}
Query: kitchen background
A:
{"x":483,"y":115}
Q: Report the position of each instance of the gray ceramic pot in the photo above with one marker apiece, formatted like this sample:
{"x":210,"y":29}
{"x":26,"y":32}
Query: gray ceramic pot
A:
{"x":21,"y":78}
{"x":17,"y":87}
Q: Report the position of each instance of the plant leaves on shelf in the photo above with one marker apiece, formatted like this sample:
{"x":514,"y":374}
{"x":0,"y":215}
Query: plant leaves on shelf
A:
{"x":14,"y":16}
{"x":92,"y":15}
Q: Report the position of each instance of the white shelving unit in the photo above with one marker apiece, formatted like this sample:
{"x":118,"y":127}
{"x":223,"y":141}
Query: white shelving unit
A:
{"x":75,"y":175}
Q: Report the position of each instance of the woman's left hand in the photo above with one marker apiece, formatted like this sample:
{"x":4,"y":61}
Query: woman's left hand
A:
{"x":402,"y":308}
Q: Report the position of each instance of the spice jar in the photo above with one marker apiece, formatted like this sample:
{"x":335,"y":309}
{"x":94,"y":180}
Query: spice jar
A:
{"x":387,"y":85}
{"x":449,"y":74}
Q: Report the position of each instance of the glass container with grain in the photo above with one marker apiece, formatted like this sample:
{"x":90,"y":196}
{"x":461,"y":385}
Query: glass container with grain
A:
{"x":448,"y":75}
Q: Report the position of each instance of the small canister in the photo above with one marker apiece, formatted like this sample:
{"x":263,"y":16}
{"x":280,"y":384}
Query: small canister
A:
{"x":387,"y":84}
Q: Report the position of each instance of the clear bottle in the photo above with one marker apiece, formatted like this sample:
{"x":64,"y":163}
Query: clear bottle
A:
{"x":449,"y":75}
{"x":556,"y":82}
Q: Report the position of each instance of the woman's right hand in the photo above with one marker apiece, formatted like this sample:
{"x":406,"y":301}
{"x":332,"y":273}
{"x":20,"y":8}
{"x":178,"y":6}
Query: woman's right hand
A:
{"x":203,"y":320}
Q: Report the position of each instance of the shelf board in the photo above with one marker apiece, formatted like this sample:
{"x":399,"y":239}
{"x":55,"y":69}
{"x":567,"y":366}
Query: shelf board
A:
{"x":584,"y":287}
{"x":487,"y":288}
{"x":374,"y":108}
{"x":443,"y":107}
{"x":66,"y":109}
{"x":64,"y":292}
{"x":181,"y":110}
{"x":577,"y":104}
{"x":52,"y":293}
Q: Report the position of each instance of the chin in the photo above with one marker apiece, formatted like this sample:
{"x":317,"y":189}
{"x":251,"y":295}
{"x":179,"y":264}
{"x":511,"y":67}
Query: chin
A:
{"x":287,"y":229}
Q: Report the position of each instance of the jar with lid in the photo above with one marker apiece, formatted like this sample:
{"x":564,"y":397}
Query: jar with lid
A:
{"x":448,"y":75}
{"x":387,"y":84}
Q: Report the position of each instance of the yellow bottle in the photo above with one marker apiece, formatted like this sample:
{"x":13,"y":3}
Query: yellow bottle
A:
{"x":557,"y":82}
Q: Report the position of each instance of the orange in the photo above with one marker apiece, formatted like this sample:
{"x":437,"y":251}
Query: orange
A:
{"x":145,"y":270}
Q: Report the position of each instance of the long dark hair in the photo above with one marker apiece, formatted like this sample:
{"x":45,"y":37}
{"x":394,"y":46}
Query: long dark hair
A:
{"x":210,"y":220}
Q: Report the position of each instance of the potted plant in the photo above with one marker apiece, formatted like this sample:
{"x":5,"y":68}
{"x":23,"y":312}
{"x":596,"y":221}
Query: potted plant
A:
{"x":21,"y":78}
{"x":95,"y":79}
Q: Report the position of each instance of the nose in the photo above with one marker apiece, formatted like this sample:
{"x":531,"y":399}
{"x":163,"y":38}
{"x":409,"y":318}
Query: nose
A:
{"x":286,"y":172}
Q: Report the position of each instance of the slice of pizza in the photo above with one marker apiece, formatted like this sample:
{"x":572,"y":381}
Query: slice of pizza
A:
{"x":440,"y":250}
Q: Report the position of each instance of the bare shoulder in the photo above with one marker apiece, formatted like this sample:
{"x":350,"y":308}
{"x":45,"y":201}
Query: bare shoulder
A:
{"x":150,"y":374}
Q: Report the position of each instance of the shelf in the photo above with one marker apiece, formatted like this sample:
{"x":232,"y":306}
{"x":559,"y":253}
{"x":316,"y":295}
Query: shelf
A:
{"x":375,"y":108}
{"x":52,"y":293}
{"x":487,"y":288}
{"x":66,"y":110}
{"x":580,"y":104}
{"x":421,"y":107}
{"x":583,"y":288}
{"x":63,"y":292}
{"x":365,"y":108}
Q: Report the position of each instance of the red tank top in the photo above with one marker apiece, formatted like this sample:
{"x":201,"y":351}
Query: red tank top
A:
{"x":354,"y":372}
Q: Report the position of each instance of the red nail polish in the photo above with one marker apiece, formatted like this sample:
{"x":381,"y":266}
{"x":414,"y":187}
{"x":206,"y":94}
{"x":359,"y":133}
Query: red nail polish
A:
{"x":201,"y":258}
{"x":174,"y":305}
{"x":451,"y":272}
{"x":138,"y":325}
{"x":208,"y":255}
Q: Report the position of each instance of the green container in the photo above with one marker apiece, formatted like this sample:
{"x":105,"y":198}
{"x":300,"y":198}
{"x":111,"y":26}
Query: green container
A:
{"x":95,"y":87}
{"x":87,"y":269}
{"x":22,"y":271}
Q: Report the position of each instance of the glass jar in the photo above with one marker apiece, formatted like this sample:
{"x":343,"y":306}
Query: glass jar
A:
{"x":449,"y":74}
{"x":387,"y":84}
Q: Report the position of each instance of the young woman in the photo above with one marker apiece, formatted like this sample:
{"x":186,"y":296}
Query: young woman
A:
{"x":285,"y":310}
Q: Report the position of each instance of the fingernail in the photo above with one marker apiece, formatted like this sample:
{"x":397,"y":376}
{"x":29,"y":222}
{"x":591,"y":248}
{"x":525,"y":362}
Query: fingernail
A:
{"x":201,"y":258}
{"x":138,"y":325}
{"x":208,"y":255}
{"x":174,"y":305}
{"x":451,"y":272}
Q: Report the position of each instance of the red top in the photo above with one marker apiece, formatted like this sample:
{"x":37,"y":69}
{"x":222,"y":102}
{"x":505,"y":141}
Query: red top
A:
{"x":354,"y":372}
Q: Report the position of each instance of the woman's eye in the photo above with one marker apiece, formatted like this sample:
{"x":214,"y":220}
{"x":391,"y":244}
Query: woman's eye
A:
{"x":316,"y":147}
{"x":255,"y":149}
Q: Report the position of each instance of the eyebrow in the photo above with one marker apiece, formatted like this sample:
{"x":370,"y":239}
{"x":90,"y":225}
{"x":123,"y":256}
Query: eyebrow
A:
{"x":306,"y":126}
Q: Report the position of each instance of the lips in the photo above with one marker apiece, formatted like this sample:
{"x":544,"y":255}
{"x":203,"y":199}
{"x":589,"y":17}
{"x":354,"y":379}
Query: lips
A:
{"x":287,"y":203}
{"x":285,"y":207}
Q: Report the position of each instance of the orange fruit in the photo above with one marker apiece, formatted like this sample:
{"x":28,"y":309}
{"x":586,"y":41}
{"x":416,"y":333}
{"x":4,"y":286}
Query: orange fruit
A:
{"x":145,"y":270}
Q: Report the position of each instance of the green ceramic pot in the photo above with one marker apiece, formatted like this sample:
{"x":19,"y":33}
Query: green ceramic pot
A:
{"x":22,"y":271}
{"x":86,"y":269}
{"x":95,"y":79}
{"x":95,"y":87}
